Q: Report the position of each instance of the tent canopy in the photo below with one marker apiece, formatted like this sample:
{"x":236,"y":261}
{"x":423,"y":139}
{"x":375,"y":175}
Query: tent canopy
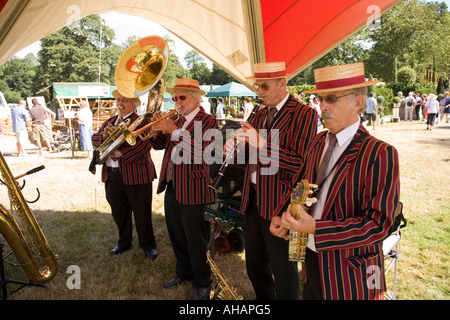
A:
{"x":234,"y":34}
{"x":231,"y":89}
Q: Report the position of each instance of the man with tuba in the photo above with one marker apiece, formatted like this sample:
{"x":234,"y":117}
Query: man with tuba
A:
{"x":185,"y":179}
{"x":128,"y":174}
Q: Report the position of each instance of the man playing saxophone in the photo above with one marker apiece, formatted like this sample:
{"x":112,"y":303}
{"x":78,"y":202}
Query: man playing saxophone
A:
{"x":128,"y":174}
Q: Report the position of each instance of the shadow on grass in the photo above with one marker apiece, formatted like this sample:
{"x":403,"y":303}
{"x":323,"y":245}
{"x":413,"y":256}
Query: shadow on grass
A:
{"x":84,"y":240}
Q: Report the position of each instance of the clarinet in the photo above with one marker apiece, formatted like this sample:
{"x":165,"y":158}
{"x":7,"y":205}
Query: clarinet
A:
{"x":223,"y":168}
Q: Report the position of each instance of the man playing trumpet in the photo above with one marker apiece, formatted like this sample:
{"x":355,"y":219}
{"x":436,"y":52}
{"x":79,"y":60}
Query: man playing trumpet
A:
{"x":128,"y":174}
{"x":185,"y":179}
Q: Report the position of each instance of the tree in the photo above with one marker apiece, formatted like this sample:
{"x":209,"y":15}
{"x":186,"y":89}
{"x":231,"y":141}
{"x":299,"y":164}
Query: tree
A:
{"x":197,"y":66}
{"x":412,"y":34}
{"x":72,"y":53}
{"x":17,"y":77}
{"x":219,"y":76}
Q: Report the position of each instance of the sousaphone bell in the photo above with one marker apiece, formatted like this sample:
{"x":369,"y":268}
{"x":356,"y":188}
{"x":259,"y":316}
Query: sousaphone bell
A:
{"x":140,"y":70}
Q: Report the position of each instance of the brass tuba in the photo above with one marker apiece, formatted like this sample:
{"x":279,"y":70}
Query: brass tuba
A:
{"x":140,"y":70}
{"x":39,"y":270}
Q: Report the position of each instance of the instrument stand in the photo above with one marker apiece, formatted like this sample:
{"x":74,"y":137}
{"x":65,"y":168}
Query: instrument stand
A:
{"x":4,"y":281}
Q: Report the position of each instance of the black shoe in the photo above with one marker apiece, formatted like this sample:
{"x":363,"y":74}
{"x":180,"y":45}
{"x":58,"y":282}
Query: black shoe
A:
{"x":201,"y":293}
{"x":172,"y":282}
{"x":118,"y":250}
{"x":151,"y":253}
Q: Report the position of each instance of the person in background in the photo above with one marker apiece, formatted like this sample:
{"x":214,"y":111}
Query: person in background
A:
{"x":21,"y":124}
{"x":248,"y":107}
{"x":433,"y":110}
{"x":220,"y":112}
{"x":84,"y":117}
{"x":418,"y":106}
{"x":445,"y":107}
{"x":39,"y":131}
{"x":410,"y":103}
{"x":371,"y":109}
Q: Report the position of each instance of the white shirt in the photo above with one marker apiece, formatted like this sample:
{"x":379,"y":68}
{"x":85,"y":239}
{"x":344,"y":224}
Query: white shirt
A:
{"x":85,"y":116}
{"x":278,"y":106}
{"x":343,"y":140}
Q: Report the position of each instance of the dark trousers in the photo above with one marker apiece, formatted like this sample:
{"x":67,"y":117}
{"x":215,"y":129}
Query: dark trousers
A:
{"x":312,"y":288}
{"x":272,"y":275}
{"x":188,"y":235}
{"x":126,"y":200}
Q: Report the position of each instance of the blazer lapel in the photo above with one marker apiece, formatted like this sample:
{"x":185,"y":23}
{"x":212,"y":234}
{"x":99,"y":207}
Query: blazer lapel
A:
{"x":284,"y":116}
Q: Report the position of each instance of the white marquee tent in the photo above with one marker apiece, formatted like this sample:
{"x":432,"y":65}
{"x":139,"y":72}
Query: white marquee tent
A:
{"x":234,"y":34}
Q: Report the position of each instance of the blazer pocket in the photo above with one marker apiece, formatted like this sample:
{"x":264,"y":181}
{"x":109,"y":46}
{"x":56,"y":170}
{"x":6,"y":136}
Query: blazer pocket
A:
{"x":358,"y":261}
{"x":198,"y":174}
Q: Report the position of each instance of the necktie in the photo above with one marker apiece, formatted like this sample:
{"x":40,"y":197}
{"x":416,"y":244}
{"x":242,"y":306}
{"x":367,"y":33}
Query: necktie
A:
{"x":169,"y":169}
{"x":321,"y":174}
{"x":270,"y":115}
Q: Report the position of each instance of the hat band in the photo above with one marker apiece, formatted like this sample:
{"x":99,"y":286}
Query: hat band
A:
{"x":186,"y":86}
{"x":270,"y":74}
{"x":340,"y":83}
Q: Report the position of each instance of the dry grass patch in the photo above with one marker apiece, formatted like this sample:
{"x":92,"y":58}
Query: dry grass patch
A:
{"x":76,"y":221}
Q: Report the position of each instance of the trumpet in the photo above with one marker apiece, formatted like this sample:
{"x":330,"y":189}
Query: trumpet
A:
{"x":130,"y":136}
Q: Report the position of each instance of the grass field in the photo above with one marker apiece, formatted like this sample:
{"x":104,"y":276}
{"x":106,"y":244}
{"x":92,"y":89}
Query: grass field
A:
{"x":75,"y":219}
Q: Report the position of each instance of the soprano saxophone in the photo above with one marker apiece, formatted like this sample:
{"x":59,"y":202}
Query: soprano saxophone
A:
{"x":298,"y":240}
{"x":34,"y":254}
{"x":223,"y":290}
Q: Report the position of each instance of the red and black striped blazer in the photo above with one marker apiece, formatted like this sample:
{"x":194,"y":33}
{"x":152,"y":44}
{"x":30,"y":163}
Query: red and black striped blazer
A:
{"x":358,"y":212}
{"x":136,"y":165}
{"x":297,"y":126}
{"x":191,"y":180}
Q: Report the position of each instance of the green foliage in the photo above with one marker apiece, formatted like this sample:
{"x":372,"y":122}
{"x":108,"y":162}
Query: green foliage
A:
{"x":296,"y":91}
{"x":407,"y":74}
{"x":386,"y":95}
{"x":411,"y":34}
{"x":415,"y":87}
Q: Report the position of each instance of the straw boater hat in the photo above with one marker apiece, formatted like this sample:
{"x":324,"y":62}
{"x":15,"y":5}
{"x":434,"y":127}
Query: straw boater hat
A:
{"x":116,"y":93}
{"x":340,"y":78}
{"x":186,"y":84}
{"x":269,"y":70}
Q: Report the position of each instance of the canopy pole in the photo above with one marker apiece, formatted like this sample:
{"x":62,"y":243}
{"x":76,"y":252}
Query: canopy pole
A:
{"x":99,"y":70}
{"x":254,"y":25}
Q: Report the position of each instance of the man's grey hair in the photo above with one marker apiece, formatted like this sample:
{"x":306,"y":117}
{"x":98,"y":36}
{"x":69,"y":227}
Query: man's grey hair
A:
{"x":197,"y":96}
{"x":361,"y":91}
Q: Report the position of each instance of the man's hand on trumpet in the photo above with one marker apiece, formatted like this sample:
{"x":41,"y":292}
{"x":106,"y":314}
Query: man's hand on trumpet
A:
{"x":107,"y":131}
{"x":165,"y":125}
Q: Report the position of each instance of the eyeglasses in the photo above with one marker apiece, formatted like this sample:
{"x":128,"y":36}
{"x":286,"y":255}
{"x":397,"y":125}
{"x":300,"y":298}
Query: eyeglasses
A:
{"x":331,"y":99}
{"x":182,"y":98}
{"x":264,"y":86}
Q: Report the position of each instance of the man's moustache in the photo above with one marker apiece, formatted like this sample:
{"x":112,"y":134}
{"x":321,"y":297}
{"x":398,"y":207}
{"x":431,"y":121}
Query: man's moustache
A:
{"x":327,"y":115}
